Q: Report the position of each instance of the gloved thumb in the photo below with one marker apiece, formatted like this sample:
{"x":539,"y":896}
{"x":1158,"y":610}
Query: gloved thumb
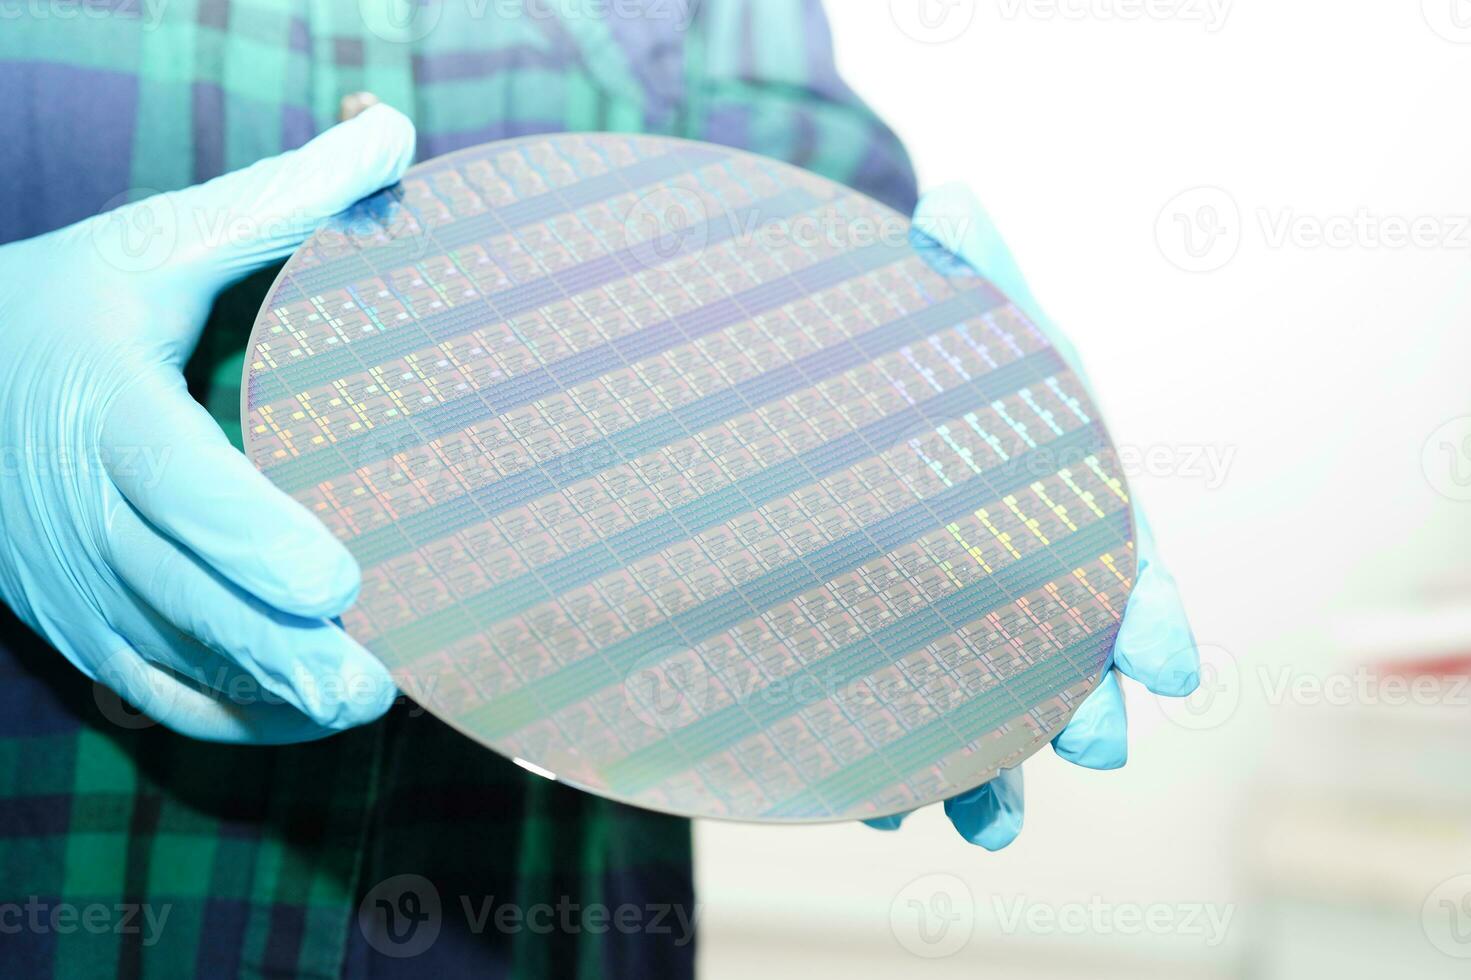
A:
{"x":235,"y":224}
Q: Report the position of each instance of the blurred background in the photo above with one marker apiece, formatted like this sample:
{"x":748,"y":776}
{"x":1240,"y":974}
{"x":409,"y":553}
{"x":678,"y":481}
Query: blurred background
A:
{"x":1254,"y":220}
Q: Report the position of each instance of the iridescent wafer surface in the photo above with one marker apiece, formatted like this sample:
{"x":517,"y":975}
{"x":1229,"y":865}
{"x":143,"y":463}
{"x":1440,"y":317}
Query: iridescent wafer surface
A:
{"x":675,"y":472}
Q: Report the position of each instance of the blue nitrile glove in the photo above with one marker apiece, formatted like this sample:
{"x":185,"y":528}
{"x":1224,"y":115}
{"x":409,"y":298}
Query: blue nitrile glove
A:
{"x":1154,"y":647}
{"x":133,"y":536}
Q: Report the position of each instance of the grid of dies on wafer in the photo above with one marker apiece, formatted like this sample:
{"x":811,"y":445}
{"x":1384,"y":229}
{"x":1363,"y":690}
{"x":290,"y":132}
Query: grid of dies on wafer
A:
{"x":517,"y":528}
{"x":489,"y":450}
{"x":355,"y":406}
{"x":572,"y":729}
{"x":619,"y":496}
{"x":723,"y":455}
{"x":566,"y":422}
{"x":466,"y":277}
{"x":750,"y":661}
{"x":748,"y":544}
{"x":646,"y":584}
{"x":617,"y":484}
{"x":905,"y":492}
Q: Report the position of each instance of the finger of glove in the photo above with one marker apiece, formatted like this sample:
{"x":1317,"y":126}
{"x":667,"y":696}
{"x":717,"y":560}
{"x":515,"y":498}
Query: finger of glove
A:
{"x":310,"y":664}
{"x":990,"y":815}
{"x":1155,"y":645}
{"x":171,"y":461}
{"x":193,"y":711}
{"x":1097,"y":735}
{"x":890,"y":822}
{"x":250,"y":218}
{"x":952,"y":218}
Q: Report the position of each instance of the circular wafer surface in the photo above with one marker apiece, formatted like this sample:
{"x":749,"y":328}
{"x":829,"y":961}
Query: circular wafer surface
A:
{"x":676,"y":473}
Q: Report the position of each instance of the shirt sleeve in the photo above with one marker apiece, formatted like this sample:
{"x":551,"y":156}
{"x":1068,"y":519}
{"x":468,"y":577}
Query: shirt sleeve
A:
{"x":761,"y":76}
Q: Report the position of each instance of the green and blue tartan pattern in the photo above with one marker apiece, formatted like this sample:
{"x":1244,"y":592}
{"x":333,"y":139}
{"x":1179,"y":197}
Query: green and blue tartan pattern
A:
{"x":253,"y":861}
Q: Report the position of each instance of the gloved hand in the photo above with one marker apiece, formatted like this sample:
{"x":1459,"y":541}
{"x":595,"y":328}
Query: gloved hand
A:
{"x":1154,"y":647}
{"x":132,"y":535}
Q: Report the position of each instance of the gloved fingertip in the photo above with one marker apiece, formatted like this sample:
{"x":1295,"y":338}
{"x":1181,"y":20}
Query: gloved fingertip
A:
{"x":890,"y":822}
{"x":948,"y":214}
{"x":938,"y":257}
{"x":994,"y":834}
{"x":1101,"y":756}
{"x":1166,"y":662}
{"x":315,"y":577}
{"x":372,"y":688}
{"x":358,"y":692}
{"x":998,"y":837}
{"x":355,"y":714}
{"x":1178,"y":682}
{"x":393,"y":138}
{"x":1155,"y":645}
{"x":1097,"y":737}
{"x":991,"y":815}
{"x":1100,"y":750}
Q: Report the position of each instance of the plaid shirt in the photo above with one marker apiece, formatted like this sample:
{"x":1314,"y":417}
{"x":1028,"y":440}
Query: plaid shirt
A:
{"x":130,"y":851}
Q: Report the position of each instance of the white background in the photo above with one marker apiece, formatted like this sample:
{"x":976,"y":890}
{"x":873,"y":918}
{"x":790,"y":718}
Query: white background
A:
{"x":1320,"y":372}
